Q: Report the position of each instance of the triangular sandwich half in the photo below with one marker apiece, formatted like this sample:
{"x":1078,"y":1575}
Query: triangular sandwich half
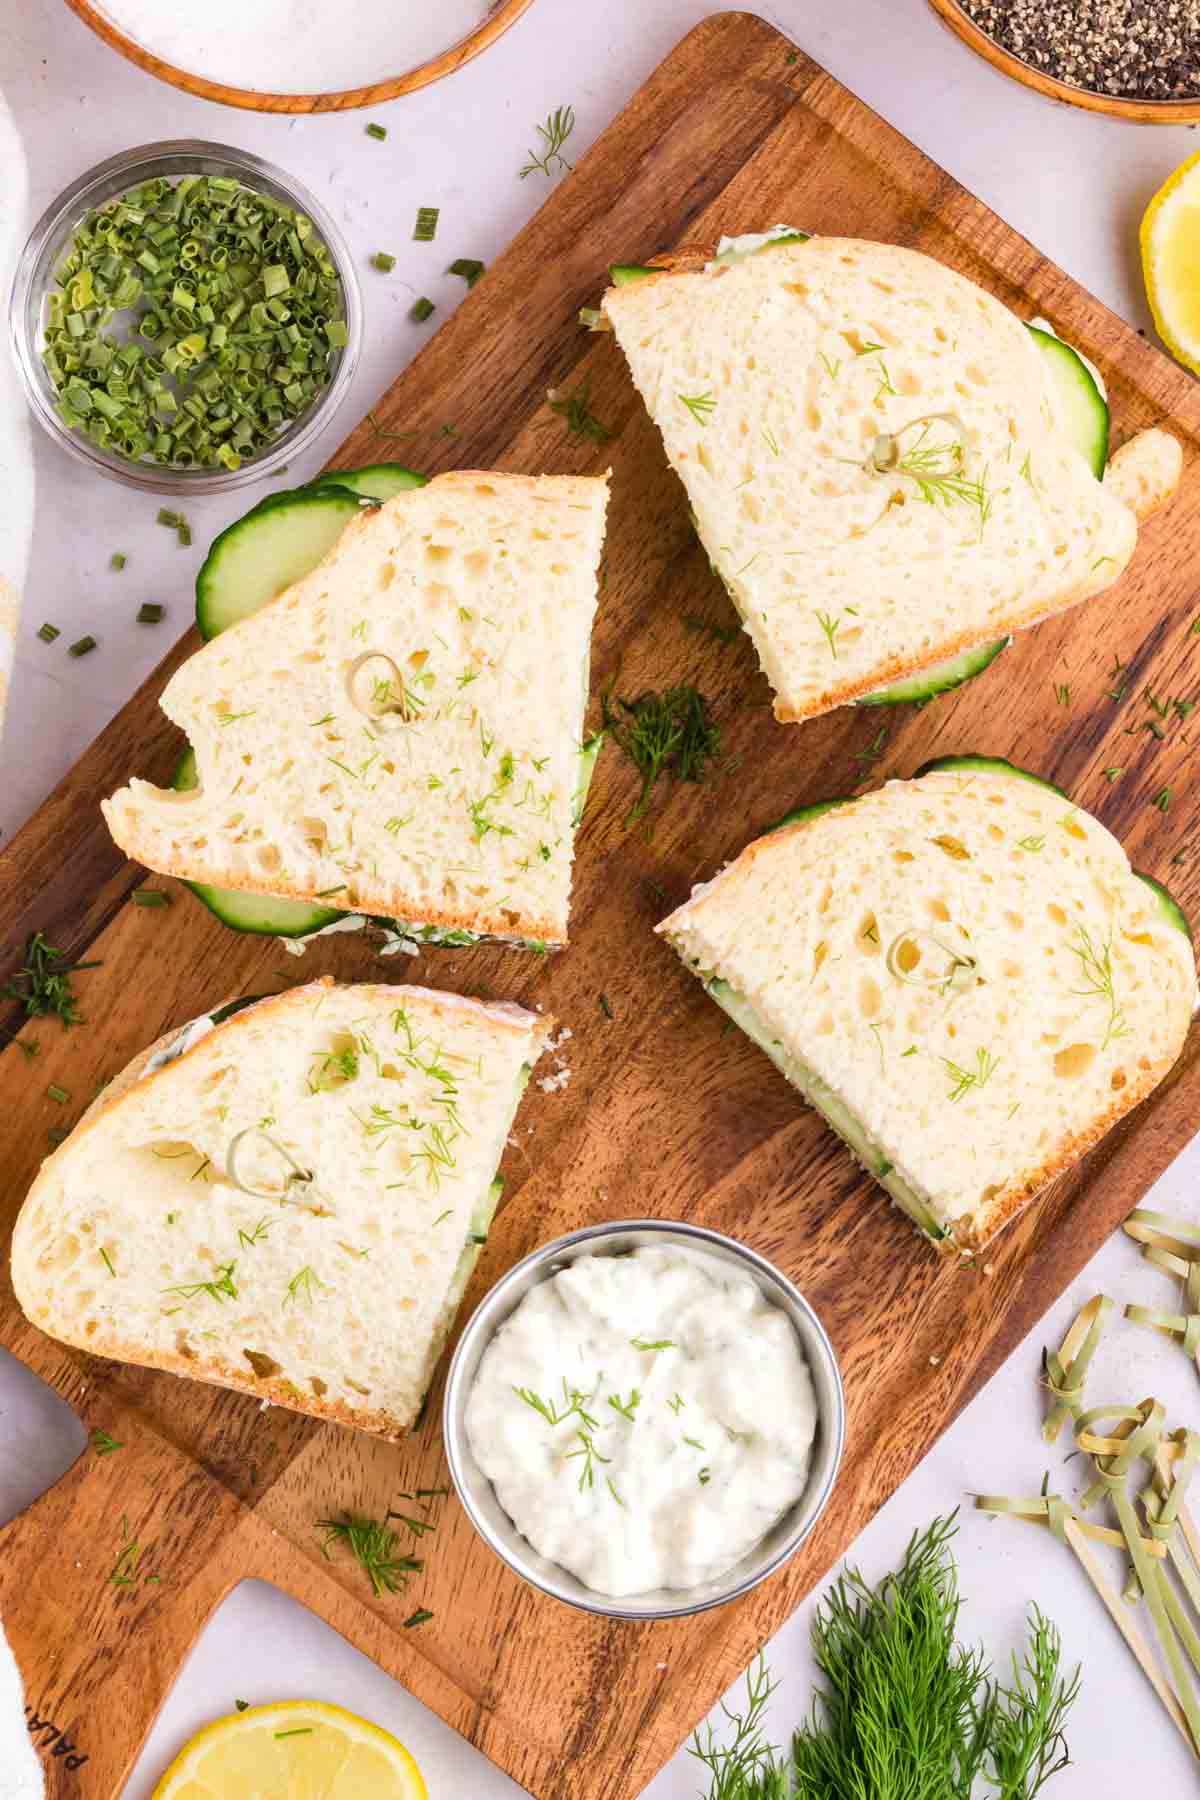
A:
{"x":285,"y":1197}
{"x":961,"y":972}
{"x":889,"y":470}
{"x":398,"y":733}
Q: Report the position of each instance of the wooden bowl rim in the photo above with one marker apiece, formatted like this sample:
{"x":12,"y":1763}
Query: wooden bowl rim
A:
{"x":499,"y":19}
{"x":1144,"y":112}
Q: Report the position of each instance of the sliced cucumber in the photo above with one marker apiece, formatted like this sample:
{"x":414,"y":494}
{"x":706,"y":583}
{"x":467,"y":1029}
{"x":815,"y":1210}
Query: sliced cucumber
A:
{"x":622,"y":274}
{"x":813,"y":811}
{"x":378,"y":481}
{"x":585,"y":768}
{"x":832,"y":1109}
{"x":1168,"y":905}
{"x":926,"y":684}
{"x":258,"y":556}
{"x":995,"y":765}
{"x":1084,"y":408}
{"x":750,"y":243}
{"x":263,"y":914}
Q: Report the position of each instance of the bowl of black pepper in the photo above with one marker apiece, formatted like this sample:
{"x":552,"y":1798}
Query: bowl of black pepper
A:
{"x":1133,"y":59}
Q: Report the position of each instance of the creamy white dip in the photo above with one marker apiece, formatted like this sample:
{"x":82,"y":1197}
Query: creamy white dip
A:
{"x":644,"y":1419}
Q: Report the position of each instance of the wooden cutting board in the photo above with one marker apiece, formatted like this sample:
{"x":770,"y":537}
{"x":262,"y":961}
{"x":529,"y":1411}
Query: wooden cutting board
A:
{"x":664,"y":1114}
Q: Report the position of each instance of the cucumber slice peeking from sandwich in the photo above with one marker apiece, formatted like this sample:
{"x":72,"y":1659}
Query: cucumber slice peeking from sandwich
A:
{"x":1168,"y":905}
{"x":378,"y":481}
{"x":1084,"y":408}
{"x":926,"y":684}
{"x":258,"y":556}
{"x":994,"y":765}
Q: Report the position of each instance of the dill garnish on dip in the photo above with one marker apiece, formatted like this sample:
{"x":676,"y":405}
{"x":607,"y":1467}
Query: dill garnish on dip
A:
{"x":191,"y":322}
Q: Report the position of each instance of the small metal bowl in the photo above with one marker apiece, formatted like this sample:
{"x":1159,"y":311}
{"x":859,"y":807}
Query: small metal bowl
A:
{"x":44,"y":251}
{"x":479,"y":1497}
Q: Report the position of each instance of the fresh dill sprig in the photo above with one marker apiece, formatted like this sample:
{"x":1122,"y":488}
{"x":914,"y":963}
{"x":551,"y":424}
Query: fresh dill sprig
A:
{"x":745,"y":1768}
{"x":575,"y":1405}
{"x":554,"y":134}
{"x":721,"y":634}
{"x":43,"y":984}
{"x":699,"y":405}
{"x":573,"y":404}
{"x":222,"y":1288}
{"x":662,"y":733}
{"x":305,"y":1282}
{"x":103,"y":1443}
{"x":591,"y":1456}
{"x":937,"y":467}
{"x":830,"y":626}
{"x":966,"y":1079}
{"x":374,"y":1546}
{"x":1096,"y":970}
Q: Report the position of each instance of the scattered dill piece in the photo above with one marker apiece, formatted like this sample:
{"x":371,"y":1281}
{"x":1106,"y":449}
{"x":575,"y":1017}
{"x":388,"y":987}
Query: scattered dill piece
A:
{"x":304,"y":1283}
{"x":652,"y":1343}
{"x":48,"y":632}
{"x":425,"y":228}
{"x":1117,"y":691}
{"x":608,"y":1482}
{"x":874,"y":750}
{"x":43,"y":984}
{"x":383,"y":261}
{"x":606,"y":1006}
{"x":379,"y":132}
{"x":1161,"y":708}
{"x":125,"y":1569}
{"x":554,"y":134}
{"x":151,"y":613}
{"x":771,"y":441}
{"x":420,"y":310}
{"x":420,"y":1617}
{"x":103,"y":1443}
{"x":1096,"y":970}
{"x":1113,"y":774}
{"x":676,"y":1403}
{"x":590,"y":1455}
{"x":662,"y":733}
{"x":626,"y":1408}
{"x":59,"y":1095}
{"x":1162,"y":800}
{"x":830,"y":626}
{"x":386,"y":436}
{"x":831,"y":365}
{"x":573,"y":405}
{"x":699,"y":405}
{"x":966,"y":1079}
{"x":1183,"y":708}
{"x":721,"y":634}
{"x":372,"y":1545}
{"x":83,"y":645}
{"x":468,"y":267}
{"x":152,"y":897}
{"x":1031,"y":843}
{"x":117,"y":560}
{"x":223,"y":1288}
{"x":704,"y":1477}
{"x":1062,"y":692}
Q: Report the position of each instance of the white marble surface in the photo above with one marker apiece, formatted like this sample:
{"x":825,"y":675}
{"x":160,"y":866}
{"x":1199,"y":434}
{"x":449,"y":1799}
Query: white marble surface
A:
{"x":1072,"y":183}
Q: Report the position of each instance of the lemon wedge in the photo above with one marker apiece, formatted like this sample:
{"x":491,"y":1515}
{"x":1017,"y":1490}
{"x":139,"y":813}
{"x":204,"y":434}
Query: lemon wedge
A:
{"x":1170,"y":238}
{"x":293,"y":1750}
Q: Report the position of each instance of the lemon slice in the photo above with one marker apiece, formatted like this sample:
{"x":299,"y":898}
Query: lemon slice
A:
{"x":1171,"y":261}
{"x":294,"y":1750}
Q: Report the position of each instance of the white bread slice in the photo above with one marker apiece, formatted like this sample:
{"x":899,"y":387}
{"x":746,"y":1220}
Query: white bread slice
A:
{"x":847,"y":578}
{"x":481,"y":589}
{"x":135,"y":1243}
{"x":929,"y":962}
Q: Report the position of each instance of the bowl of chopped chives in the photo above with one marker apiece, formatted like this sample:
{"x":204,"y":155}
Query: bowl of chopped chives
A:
{"x":185,"y":318}
{"x":1132,"y":59}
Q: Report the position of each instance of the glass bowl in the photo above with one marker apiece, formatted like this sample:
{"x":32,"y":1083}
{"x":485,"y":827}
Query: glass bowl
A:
{"x":479,"y":1498}
{"x":47,"y":243}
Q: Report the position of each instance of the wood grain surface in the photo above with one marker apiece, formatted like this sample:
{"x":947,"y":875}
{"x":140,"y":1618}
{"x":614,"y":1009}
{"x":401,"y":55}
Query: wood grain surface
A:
{"x":502,"y":14}
{"x":664,"y":1114}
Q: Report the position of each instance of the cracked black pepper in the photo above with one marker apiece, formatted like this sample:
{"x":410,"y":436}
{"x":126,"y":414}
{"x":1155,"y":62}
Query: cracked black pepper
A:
{"x":1131,"y":49}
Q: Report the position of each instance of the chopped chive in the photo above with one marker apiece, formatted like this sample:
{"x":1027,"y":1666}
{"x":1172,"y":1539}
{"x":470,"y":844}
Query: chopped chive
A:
{"x":106,"y":1259}
{"x":117,"y":560}
{"x":184,"y":532}
{"x":383,"y":262}
{"x":469,"y":267}
{"x":168,"y":518}
{"x":59,"y":1095}
{"x":82,"y":645}
{"x":58,"y":1134}
{"x":151,"y":613}
{"x":1113,"y":774}
{"x":420,"y":310}
{"x":376,"y":131}
{"x":1163,"y":799}
{"x":144,"y":896}
{"x":425,"y":229}
{"x":48,"y":632}
{"x":417,"y":1618}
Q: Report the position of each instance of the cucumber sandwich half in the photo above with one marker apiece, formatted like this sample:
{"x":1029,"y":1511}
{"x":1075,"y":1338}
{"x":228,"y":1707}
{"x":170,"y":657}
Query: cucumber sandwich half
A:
{"x":285,"y":1197}
{"x":388,"y":717}
{"x":889,"y":471}
{"x":961,"y":972}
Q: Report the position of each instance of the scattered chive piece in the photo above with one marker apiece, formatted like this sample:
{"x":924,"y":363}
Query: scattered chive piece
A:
{"x":151,"y":613}
{"x":383,"y":262}
{"x":117,"y":560}
{"x":606,"y":1006}
{"x":58,"y":1134}
{"x":1163,"y":799}
{"x":184,"y":532}
{"x":417,"y":1618}
{"x":377,"y":131}
{"x":48,"y":633}
{"x":82,"y":645}
{"x":168,"y":518}
{"x":425,"y":229}
{"x":59,"y":1095}
{"x":150,"y":897}
{"x":468,"y":267}
{"x":1113,"y":774}
{"x":103,"y":1444}
{"x":420,"y":310}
